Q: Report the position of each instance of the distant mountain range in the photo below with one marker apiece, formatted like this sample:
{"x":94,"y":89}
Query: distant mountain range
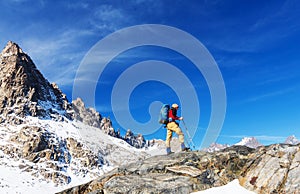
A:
{"x":250,"y":142}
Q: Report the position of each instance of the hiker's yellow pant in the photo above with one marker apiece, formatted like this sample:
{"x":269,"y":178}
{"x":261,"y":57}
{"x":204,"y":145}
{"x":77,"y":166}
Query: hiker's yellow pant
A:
{"x":173,"y":127}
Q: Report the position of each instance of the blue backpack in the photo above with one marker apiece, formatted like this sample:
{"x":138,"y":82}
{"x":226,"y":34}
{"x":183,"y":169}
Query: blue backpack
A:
{"x":164,"y":114}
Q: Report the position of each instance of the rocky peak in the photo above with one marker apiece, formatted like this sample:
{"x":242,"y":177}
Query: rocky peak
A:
{"x":24,"y":90}
{"x":292,"y":140}
{"x":88,"y":116}
{"x":12,"y":49}
{"x":250,"y":142}
{"x":214,"y":147}
{"x":137,"y":141}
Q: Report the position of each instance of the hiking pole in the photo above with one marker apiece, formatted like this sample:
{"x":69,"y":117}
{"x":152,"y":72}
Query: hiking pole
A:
{"x":189,"y":135}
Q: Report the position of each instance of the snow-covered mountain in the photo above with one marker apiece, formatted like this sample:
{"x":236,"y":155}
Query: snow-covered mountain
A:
{"x":214,"y":147}
{"x":48,"y":144}
{"x":250,"y":142}
{"x":292,"y":140}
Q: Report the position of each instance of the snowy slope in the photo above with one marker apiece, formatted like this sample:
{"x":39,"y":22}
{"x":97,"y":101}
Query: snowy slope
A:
{"x":19,"y":175}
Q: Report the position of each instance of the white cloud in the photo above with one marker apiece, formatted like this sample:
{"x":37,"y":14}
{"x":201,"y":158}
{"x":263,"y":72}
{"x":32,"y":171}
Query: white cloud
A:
{"x":283,"y":15}
{"x":57,"y":56}
{"x":270,"y":94}
{"x":107,"y":18}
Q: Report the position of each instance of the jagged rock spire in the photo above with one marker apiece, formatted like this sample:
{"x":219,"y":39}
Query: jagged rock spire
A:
{"x":24,"y":90}
{"x":12,"y":49}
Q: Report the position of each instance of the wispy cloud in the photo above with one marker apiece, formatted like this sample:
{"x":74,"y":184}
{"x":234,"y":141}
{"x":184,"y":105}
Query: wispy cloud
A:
{"x":270,"y":94}
{"x":57,"y":56}
{"x":285,"y":14}
{"x":107,"y":18}
{"x":262,"y":32}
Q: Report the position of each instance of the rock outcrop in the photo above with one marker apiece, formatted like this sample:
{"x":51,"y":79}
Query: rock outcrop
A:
{"x":182,"y":172}
{"x":88,"y":116}
{"x":24,"y":90}
{"x":44,"y":154}
{"x":271,"y":169}
{"x":137,"y":141}
{"x":92,"y":118}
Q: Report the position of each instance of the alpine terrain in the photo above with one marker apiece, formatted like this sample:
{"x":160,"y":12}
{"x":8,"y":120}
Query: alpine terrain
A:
{"x":47,"y":143}
{"x":51,"y":145}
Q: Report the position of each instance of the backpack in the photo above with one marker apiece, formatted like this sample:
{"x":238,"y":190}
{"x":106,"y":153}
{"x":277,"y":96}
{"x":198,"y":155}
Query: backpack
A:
{"x":164,"y":114}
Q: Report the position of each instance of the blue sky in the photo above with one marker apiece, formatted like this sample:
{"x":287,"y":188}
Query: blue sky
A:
{"x":256,"y":45}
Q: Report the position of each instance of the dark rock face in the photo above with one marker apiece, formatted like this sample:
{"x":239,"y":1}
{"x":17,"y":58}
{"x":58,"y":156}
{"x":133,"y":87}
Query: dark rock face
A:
{"x":24,"y":90}
{"x":272,"y":169}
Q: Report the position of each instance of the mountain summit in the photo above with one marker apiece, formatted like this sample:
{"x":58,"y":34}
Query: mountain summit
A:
{"x":24,"y":89}
{"x":292,"y":140}
{"x":250,"y":142}
{"x":47,"y":142}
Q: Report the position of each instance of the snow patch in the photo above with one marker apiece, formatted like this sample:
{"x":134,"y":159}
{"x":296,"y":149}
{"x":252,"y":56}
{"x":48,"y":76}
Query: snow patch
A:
{"x":232,"y":187}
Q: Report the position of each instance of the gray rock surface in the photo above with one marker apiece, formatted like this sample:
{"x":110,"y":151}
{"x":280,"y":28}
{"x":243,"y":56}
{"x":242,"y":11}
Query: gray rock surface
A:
{"x":182,"y":172}
{"x":271,"y":169}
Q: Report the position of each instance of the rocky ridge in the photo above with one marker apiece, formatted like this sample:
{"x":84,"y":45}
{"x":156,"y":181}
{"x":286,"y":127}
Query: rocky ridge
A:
{"x":42,"y":134}
{"x":25,"y":91}
{"x":91,"y":117}
{"x":26,"y":96}
{"x":270,"y":169}
{"x":88,"y":116}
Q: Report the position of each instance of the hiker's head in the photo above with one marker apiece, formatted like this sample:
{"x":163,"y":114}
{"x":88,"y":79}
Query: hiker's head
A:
{"x":175,"y":106}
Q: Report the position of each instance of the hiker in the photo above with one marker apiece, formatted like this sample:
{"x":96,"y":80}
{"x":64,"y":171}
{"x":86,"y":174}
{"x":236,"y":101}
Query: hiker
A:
{"x":173,"y":126}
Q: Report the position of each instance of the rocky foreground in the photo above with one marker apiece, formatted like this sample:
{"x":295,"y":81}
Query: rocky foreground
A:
{"x":270,"y":169}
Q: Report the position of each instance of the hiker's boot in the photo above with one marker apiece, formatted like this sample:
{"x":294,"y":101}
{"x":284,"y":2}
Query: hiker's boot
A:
{"x":183,"y":148}
{"x":169,"y":151}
